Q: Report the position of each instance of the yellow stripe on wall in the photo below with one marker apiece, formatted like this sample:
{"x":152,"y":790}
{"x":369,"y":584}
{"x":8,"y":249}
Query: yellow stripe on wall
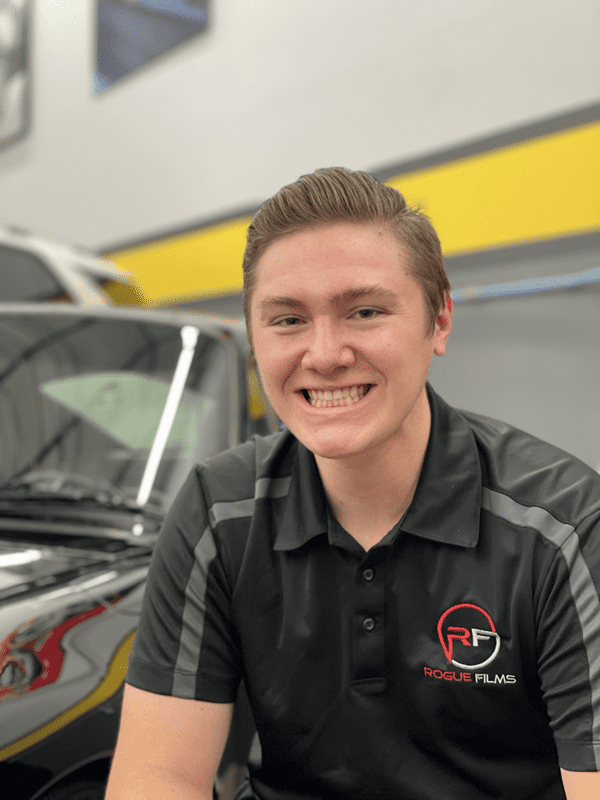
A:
{"x":535,"y":190}
{"x":540,"y":189}
{"x":201,"y":262}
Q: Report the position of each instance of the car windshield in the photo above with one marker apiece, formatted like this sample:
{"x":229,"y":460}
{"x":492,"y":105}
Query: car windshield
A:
{"x":81,"y":398}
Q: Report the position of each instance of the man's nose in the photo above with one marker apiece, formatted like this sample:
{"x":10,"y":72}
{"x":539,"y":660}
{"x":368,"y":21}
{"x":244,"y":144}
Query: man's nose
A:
{"x":327,"y":348}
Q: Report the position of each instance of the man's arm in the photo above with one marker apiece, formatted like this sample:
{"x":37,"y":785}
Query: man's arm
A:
{"x":581,"y":785}
{"x":167,"y":747}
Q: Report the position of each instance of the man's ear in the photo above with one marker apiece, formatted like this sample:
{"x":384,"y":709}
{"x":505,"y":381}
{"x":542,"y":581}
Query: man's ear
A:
{"x":443,"y":326}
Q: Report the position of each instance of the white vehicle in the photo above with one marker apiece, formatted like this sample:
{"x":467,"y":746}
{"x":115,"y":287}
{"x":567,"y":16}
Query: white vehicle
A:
{"x":36,"y":269}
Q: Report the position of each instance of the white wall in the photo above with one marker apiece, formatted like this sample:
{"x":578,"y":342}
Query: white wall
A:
{"x":274,"y":89}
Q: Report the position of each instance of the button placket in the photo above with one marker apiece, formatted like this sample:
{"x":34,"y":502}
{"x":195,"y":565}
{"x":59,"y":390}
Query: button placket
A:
{"x":368,"y":625}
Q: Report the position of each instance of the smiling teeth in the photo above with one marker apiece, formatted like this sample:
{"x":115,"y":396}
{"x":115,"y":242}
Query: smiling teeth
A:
{"x":331,"y":398}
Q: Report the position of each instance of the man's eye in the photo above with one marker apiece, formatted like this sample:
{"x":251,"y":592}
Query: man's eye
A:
{"x":287,"y":322}
{"x":367,"y":313}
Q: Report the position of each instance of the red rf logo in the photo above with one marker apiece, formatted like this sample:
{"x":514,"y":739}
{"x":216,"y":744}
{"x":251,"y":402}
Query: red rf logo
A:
{"x":467,"y":632}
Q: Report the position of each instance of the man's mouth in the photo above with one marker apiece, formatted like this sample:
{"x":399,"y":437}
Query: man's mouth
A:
{"x":332,"y":398}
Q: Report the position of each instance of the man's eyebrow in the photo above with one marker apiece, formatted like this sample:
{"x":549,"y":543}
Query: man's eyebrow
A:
{"x":364,"y":291}
{"x":276,"y":300}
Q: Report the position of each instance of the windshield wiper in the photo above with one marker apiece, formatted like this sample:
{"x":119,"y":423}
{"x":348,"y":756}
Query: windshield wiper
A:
{"x":48,"y":484}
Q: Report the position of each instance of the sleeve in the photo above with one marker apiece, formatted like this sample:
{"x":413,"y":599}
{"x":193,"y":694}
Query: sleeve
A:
{"x":569,"y":645}
{"x":186,"y":644}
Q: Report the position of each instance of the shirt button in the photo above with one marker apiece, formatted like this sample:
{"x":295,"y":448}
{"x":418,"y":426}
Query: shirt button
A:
{"x":368,"y":575}
{"x":368,"y":624}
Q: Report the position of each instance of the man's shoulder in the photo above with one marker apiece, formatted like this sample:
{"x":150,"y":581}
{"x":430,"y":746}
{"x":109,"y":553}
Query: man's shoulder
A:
{"x":235,"y":473}
{"x":512,"y":447}
{"x":533,"y":471}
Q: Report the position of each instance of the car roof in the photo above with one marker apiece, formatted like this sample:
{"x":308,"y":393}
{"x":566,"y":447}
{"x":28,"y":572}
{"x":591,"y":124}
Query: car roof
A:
{"x":214,"y":324}
{"x":81,"y":258}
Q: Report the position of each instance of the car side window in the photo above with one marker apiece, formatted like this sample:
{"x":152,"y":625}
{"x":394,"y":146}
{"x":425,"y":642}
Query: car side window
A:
{"x":24,"y":277}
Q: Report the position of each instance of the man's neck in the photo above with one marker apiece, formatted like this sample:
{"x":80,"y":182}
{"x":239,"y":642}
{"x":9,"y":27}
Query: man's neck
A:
{"x":369,"y":493}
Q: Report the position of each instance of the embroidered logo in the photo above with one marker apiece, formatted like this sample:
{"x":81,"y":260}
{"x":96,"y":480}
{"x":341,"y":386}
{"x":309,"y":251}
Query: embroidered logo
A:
{"x":468,"y":637}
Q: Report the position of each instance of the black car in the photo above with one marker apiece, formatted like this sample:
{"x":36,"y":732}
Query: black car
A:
{"x":103,"y":412}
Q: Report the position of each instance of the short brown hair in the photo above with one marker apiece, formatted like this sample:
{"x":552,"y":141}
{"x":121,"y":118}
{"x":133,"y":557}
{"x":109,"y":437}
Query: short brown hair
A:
{"x":334,"y":195}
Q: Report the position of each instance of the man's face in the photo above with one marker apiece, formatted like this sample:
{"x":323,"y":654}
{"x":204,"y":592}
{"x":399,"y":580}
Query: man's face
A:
{"x":339,"y":330}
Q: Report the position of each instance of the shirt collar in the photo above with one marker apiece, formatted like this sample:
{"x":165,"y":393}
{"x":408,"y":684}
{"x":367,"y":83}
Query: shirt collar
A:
{"x":305,"y":513}
{"x":447,"y":502}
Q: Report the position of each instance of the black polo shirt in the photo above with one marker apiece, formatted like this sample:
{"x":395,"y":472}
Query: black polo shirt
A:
{"x":458,"y":659}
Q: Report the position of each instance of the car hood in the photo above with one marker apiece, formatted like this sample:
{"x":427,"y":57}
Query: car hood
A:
{"x":27,"y":565}
{"x":68,"y":612}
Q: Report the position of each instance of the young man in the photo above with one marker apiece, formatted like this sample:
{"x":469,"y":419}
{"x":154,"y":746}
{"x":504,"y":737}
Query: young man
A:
{"x":410,"y":593}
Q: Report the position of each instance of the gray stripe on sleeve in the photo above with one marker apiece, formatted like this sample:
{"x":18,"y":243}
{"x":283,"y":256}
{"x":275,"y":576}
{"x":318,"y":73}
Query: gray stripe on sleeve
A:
{"x":265,"y":488}
{"x":585,"y":597}
{"x":272,"y":487}
{"x":194,"y":610}
{"x":192,"y":628}
{"x":236,"y":509}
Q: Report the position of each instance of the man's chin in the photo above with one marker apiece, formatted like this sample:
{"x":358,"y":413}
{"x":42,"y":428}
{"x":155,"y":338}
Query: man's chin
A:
{"x":332,"y":445}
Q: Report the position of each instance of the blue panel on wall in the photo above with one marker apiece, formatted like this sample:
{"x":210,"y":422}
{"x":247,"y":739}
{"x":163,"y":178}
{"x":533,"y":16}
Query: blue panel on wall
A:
{"x":133,"y":32}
